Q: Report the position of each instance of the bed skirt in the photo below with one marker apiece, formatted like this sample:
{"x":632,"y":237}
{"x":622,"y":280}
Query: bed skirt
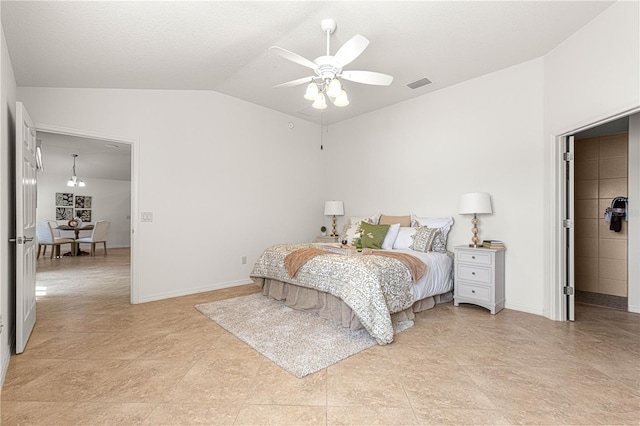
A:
{"x":331,"y":307}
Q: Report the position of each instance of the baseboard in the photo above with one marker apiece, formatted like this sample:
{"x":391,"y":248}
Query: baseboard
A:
{"x":635,"y":309}
{"x":525,"y":308}
{"x":187,"y":292}
{"x":6,"y":358}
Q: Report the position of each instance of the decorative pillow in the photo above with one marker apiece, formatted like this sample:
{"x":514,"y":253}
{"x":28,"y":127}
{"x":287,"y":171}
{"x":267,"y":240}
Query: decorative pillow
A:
{"x":443,"y":223}
{"x":352,"y":227}
{"x":390,"y":220}
{"x":373,"y":235}
{"x":424,"y":238}
{"x":404,"y":240}
{"x":392,"y":234}
{"x":433,"y":222}
{"x":439,"y":243}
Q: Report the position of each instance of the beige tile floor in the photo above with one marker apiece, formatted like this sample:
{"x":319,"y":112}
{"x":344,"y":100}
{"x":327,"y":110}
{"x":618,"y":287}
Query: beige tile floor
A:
{"x":95,"y":359}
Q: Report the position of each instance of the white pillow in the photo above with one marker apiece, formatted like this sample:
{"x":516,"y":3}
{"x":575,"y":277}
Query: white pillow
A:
{"x":391,"y":236}
{"x":404,"y":240}
{"x":443,"y":223}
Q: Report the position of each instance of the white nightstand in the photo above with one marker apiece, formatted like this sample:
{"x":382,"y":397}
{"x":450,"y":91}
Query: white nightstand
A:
{"x":479,"y":277}
{"x":326,"y":239}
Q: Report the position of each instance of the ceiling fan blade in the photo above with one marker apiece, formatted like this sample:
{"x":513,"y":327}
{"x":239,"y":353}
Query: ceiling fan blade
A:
{"x":293,"y":57}
{"x":294,"y":82}
{"x":367,"y":77}
{"x":351,"y":50}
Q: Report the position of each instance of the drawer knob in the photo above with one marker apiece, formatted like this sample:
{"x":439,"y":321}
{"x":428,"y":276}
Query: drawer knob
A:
{"x":473,"y":291}
{"x":473,"y":273}
{"x":473,"y":257}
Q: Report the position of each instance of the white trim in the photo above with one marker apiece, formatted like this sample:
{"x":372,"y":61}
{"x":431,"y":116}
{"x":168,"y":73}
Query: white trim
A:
{"x":6,"y":358}
{"x":192,"y":291}
{"x":135,"y":155}
{"x":524,"y":308}
{"x":554,"y":261}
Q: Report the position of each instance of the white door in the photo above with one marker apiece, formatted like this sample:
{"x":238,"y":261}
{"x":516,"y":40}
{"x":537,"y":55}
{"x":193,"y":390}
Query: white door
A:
{"x":25,"y":227}
{"x":569,"y":229}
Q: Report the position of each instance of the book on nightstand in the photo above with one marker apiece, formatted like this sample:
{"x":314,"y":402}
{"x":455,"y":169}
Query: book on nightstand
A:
{"x":495,"y":244}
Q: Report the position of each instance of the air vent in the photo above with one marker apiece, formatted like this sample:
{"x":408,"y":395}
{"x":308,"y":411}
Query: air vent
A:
{"x":419,"y":83}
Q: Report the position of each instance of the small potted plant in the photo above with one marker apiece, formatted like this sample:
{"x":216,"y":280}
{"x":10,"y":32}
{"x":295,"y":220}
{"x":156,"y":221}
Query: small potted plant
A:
{"x":323,"y":229}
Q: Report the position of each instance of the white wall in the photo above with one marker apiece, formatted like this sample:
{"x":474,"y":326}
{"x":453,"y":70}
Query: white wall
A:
{"x":591,"y":76}
{"x":111,"y":200}
{"x":594,"y":73}
{"x":7,"y":201}
{"x":223,"y":178}
{"x":479,"y":136}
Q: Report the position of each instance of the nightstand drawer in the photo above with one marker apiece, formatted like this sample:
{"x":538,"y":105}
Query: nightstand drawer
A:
{"x":474,"y":292}
{"x":474,"y":273}
{"x":475,"y":257}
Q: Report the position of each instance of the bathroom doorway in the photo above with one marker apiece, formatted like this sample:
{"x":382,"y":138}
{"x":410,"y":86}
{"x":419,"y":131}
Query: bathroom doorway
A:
{"x":601,"y":165}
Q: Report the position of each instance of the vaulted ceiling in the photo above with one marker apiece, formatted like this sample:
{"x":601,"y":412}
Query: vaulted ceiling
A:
{"x":223,"y":45}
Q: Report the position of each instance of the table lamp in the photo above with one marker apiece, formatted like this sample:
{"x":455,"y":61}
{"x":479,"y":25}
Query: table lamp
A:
{"x":333,"y":208}
{"x":475,"y":203}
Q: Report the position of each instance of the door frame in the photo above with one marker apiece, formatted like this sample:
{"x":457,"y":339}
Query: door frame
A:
{"x":135,"y":155}
{"x":557,"y":262}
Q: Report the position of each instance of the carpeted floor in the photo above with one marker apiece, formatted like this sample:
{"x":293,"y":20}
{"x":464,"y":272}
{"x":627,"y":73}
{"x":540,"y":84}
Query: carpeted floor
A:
{"x":300,"y":342}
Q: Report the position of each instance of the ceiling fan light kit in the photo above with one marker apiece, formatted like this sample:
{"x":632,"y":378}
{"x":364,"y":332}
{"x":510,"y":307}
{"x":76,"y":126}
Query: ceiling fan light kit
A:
{"x":329,"y":70}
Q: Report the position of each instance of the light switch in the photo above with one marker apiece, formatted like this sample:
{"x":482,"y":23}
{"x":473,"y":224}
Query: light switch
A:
{"x":146,"y":217}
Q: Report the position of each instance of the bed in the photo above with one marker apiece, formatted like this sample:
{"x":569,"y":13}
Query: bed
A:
{"x":372,"y":288}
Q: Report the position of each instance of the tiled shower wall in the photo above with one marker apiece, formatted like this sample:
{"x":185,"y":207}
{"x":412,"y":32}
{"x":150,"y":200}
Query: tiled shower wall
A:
{"x":600,"y":176}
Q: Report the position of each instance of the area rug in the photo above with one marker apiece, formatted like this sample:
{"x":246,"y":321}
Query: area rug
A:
{"x":300,"y":342}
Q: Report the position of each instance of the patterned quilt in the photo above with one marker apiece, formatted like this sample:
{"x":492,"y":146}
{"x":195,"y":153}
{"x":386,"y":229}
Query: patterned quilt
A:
{"x":373,"y":286}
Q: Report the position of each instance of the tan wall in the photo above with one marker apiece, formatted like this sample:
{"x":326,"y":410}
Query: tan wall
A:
{"x":600,"y":175}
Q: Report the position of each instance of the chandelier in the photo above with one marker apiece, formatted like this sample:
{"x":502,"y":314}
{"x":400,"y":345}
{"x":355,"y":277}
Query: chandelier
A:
{"x":73,"y":180}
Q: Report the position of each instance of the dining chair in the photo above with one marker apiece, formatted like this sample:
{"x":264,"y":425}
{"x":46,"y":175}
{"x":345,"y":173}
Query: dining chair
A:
{"x":46,"y":237}
{"x":56,"y":234}
{"x":98,"y":235}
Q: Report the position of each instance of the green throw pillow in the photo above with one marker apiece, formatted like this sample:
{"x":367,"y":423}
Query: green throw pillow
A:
{"x":373,"y":235}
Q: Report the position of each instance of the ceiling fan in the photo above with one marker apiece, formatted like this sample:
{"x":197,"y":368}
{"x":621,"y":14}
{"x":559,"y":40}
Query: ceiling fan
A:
{"x":330,"y":69}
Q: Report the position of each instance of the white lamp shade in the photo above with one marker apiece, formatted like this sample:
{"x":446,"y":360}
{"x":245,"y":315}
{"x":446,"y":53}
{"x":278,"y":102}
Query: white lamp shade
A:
{"x":342,"y":100}
{"x":320,"y":102}
{"x":334,"y":88}
{"x":312,"y":92}
{"x":333,"y":208}
{"x":475,"y":203}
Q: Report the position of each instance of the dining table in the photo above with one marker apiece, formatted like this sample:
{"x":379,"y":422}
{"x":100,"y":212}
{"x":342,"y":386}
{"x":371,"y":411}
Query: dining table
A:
{"x":76,"y":230}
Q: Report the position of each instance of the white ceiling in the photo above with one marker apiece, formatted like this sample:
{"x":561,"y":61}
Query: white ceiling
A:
{"x":223,"y":46}
{"x":96,"y":159}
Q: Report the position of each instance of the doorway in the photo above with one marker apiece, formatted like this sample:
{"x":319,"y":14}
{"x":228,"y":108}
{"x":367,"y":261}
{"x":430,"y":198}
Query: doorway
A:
{"x":601,"y":165}
{"x":562,"y":292}
{"x":106,"y":168}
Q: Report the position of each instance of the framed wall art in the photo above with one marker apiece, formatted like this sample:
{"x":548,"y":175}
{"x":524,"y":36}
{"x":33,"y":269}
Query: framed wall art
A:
{"x":84,"y":215}
{"x":83,"y":202}
{"x":64,"y":199}
{"x":64,"y":213}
